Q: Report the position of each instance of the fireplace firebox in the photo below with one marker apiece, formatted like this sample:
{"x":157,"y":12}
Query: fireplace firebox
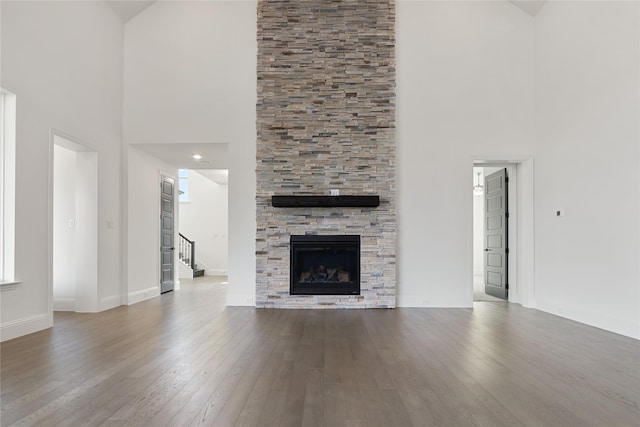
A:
{"x":325,"y":265}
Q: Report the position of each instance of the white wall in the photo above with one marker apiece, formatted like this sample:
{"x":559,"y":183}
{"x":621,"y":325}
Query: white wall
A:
{"x":64,"y":211}
{"x":204,"y":219}
{"x":190,"y":76}
{"x":143,"y":222}
{"x":464,"y":92}
{"x":86,"y":232}
{"x":587,"y":162}
{"x":63,"y":60}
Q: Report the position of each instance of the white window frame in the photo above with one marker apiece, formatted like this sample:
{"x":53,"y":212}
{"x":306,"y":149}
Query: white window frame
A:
{"x":7,"y":186}
{"x":182,"y":178}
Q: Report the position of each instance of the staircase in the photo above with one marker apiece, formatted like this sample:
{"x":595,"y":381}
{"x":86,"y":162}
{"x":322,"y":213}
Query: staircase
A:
{"x":187,"y":255}
{"x":197,"y":272}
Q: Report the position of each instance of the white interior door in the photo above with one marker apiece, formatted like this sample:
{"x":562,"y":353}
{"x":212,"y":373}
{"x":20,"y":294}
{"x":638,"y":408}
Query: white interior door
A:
{"x":167,"y":247}
{"x":496,"y":234}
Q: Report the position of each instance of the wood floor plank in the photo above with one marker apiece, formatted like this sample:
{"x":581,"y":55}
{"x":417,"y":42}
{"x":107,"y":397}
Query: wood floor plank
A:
{"x":233,"y":407}
{"x":250,"y":413}
{"x":313,"y":414}
{"x":185,"y":359}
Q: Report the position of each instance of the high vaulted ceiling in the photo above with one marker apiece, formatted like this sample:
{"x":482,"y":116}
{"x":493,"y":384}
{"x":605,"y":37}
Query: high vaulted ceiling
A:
{"x":532,"y":7}
{"x":127,"y":9}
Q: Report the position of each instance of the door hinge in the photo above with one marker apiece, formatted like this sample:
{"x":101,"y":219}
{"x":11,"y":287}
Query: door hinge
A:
{"x":506,"y":286}
{"x":507,"y":250}
{"x":506,"y":179}
{"x":507,"y":214}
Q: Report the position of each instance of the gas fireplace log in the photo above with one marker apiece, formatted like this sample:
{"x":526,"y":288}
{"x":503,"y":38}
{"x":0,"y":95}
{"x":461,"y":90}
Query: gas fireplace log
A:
{"x":321,"y":274}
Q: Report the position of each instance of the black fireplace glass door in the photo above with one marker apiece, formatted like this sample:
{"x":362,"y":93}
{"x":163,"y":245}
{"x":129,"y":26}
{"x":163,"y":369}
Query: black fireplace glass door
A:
{"x":325,"y":265}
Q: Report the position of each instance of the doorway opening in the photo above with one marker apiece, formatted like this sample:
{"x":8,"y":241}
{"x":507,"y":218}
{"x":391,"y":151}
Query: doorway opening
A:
{"x":203,"y":224}
{"x":520,"y":239}
{"x":201,"y":176}
{"x":75,"y":226}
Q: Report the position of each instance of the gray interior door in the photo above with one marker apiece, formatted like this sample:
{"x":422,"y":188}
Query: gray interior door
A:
{"x":496,"y":234}
{"x":166,"y":234}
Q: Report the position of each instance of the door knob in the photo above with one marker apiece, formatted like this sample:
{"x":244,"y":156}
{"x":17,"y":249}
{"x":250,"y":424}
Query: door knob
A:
{"x":487,"y":250}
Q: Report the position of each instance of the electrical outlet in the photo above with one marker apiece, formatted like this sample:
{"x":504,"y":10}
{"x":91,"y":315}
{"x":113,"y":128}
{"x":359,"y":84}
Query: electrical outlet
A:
{"x":335,"y":192}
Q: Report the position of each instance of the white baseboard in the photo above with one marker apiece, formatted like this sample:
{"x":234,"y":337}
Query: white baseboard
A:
{"x":142,"y":295}
{"x":108,"y":303}
{"x":27,"y":325}
{"x":607,"y":321}
{"x":420,"y":301}
{"x":64,"y":304}
{"x":69,"y":304}
{"x":216,"y":272}
{"x":241,"y":300}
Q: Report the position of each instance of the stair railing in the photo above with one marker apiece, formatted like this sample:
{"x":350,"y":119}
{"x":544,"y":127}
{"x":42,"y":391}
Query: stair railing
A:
{"x":187,"y":251}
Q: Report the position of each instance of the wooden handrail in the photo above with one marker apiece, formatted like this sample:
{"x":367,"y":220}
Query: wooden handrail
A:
{"x":187,"y":251}
{"x":185,"y":238}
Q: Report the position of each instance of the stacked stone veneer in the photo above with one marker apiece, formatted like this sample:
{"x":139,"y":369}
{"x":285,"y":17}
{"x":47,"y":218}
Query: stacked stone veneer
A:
{"x":326,"y":119}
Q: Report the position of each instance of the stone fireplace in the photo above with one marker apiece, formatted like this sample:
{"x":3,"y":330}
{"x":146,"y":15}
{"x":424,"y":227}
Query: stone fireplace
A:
{"x":326,"y":120}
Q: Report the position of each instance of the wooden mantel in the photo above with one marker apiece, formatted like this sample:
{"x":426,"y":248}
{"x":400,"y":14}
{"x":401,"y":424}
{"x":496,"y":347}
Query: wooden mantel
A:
{"x":370,"y":201}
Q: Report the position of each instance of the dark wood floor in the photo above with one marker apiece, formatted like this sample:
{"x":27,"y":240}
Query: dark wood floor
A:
{"x":184,"y":359}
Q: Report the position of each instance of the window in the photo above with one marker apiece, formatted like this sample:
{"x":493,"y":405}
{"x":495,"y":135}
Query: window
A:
{"x":183,"y":185}
{"x":7,"y":184}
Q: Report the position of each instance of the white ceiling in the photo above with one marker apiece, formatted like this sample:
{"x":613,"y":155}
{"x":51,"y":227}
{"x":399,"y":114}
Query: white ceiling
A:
{"x":216,"y":175}
{"x":127,"y":9}
{"x":214,"y":156}
{"x":532,"y":7}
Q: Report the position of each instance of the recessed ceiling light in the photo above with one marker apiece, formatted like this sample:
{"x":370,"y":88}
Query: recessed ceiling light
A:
{"x":197,"y":156}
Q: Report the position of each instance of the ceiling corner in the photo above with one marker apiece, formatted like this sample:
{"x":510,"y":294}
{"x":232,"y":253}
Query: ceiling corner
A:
{"x":127,"y":9}
{"x":532,"y":7}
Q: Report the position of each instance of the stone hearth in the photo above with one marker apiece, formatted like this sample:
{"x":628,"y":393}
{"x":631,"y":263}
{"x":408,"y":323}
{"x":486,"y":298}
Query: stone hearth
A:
{"x":326,"y":120}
